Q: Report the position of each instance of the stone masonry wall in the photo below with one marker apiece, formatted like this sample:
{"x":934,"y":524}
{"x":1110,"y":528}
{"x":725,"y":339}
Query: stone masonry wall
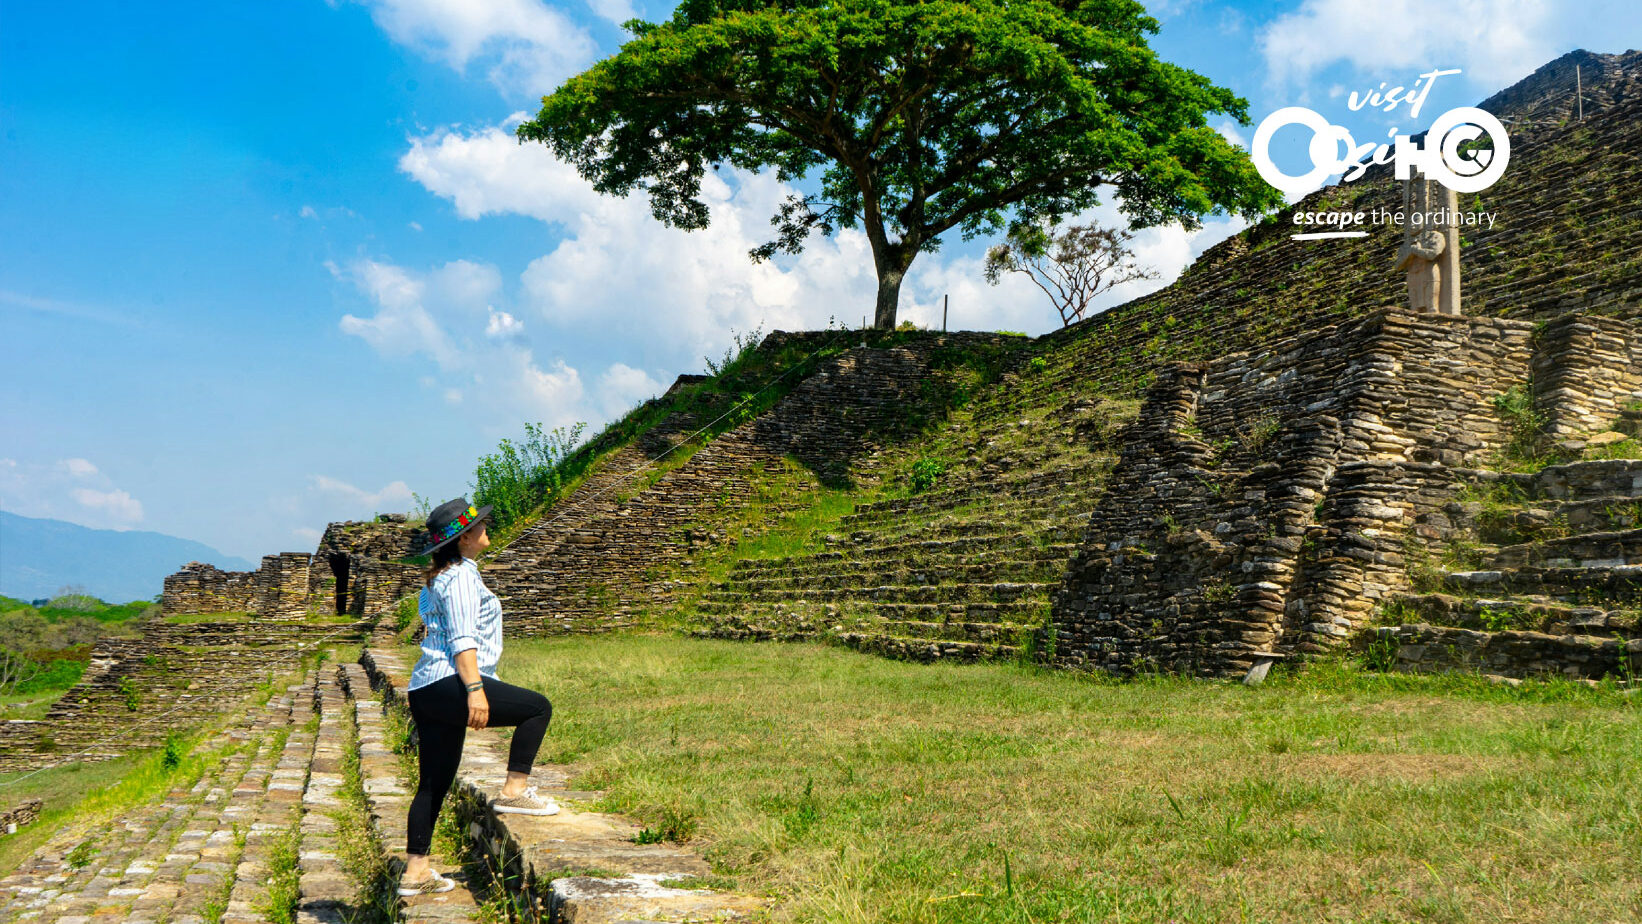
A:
{"x":205,"y":588}
{"x":355,"y":570}
{"x":1261,"y":501}
{"x":279,"y":588}
{"x":1587,"y":369}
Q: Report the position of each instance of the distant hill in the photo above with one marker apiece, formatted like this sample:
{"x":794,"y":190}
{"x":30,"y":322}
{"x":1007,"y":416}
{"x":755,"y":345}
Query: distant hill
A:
{"x":37,"y":557}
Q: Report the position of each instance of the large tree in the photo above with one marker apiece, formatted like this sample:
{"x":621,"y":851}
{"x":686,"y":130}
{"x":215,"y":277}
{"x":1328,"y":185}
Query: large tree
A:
{"x":925,"y":115}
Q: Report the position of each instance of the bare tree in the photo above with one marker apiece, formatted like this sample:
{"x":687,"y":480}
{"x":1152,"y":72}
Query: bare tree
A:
{"x":16,"y":669}
{"x":1072,"y":266}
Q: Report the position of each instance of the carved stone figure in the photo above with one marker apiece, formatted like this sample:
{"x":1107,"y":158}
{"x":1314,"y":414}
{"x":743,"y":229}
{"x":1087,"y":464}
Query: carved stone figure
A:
{"x":1430,"y":252}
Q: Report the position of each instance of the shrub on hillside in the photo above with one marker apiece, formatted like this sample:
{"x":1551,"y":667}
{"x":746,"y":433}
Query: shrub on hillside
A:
{"x":519,"y":477}
{"x":925,"y":472}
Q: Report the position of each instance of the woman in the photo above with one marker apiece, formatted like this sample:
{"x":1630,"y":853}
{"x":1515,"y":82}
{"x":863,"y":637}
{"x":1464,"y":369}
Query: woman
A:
{"x":454,"y":687}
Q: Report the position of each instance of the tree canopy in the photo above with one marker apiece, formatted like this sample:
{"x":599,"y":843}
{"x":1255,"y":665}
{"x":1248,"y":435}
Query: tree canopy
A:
{"x":922,"y":115}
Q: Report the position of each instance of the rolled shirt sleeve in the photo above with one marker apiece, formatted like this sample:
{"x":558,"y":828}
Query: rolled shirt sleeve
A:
{"x":462,"y":609}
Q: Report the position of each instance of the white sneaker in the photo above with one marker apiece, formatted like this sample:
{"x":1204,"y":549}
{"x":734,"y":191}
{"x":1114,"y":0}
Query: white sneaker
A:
{"x":526,"y":803}
{"x":435,"y":883}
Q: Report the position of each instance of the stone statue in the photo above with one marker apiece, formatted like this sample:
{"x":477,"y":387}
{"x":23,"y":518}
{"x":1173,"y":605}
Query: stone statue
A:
{"x":1430,"y":252}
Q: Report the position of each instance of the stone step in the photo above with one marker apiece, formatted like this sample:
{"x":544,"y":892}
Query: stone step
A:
{"x":1515,"y":613}
{"x":927,"y":650}
{"x":1606,"y":513}
{"x":170,"y":859}
{"x":1069,"y":527}
{"x":1602,"y":478}
{"x":1046,"y":542}
{"x":1588,"y":550}
{"x":1000,"y":592}
{"x":1511,"y":653}
{"x":1016,"y":611}
{"x":277,"y":795}
{"x":1049,"y":565}
{"x":388,"y":800}
{"x":533,"y":850}
{"x":1587,"y":586}
{"x":982,"y":633}
{"x":1051,"y":489}
{"x":326,"y":892}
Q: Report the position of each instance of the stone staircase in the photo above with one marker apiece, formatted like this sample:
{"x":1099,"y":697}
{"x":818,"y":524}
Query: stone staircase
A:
{"x":576,"y":867}
{"x":137,"y":689}
{"x":198,"y":853}
{"x":962,"y":571}
{"x":606,"y":554}
{"x":1554,"y":585}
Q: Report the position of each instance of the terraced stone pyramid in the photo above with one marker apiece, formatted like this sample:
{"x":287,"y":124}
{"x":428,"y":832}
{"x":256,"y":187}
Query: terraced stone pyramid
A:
{"x":1291,"y":428}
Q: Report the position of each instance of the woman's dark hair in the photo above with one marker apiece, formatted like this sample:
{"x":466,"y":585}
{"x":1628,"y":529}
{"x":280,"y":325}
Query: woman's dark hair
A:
{"x":443,"y":557}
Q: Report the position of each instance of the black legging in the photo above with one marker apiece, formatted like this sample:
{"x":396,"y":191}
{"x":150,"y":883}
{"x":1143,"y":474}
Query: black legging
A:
{"x":440,"y":710}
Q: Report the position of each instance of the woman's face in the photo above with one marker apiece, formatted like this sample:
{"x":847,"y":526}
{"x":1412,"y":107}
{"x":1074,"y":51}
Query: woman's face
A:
{"x":474,"y":541}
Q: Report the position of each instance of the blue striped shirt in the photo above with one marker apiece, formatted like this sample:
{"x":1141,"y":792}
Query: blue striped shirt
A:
{"x":459,"y":612}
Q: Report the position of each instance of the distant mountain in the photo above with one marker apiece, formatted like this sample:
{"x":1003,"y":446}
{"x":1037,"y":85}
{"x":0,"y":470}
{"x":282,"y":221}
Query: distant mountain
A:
{"x":37,"y":557}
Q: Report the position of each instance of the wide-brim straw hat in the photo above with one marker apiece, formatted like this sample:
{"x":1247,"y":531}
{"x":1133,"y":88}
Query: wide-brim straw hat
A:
{"x":450,"y":520}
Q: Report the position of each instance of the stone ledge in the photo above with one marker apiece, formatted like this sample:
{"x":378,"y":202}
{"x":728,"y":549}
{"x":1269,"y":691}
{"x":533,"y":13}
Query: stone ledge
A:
{"x":534,"y":851}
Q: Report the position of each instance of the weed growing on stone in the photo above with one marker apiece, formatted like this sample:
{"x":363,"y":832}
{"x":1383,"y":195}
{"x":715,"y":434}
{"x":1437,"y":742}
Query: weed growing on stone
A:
{"x":925,"y":473}
{"x":284,"y":877}
{"x":81,"y":855}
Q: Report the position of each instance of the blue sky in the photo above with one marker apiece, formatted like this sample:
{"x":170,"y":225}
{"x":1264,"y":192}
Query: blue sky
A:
{"x":264,"y":266}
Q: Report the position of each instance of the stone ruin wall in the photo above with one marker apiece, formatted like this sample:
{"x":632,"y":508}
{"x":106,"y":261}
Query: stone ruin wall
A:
{"x":1261,"y":501}
{"x":278,"y":589}
{"x":357,"y":569}
{"x":24,"y":813}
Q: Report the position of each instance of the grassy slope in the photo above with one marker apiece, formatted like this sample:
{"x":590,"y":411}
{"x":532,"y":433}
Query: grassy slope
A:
{"x":863,"y":789}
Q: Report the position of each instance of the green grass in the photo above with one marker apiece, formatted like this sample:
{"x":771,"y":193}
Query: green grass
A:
{"x":861,"y":789}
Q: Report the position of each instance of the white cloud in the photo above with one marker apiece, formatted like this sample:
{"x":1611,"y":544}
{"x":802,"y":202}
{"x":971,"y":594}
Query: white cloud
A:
{"x":308,"y":212}
{"x":391,"y":497}
{"x":490,"y":173}
{"x":1495,"y":42}
{"x":117,"y":505}
{"x":1231,"y":132}
{"x":504,"y":326}
{"x":623,"y":274}
{"x":74,"y":490}
{"x":484,"y":355}
{"x":410,"y":307}
{"x":622,"y":387}
{"x":616,"y":11}
{"x":527,"y":46}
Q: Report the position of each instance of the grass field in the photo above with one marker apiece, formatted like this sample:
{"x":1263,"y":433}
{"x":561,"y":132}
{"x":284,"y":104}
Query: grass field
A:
{"x":860,"y":789}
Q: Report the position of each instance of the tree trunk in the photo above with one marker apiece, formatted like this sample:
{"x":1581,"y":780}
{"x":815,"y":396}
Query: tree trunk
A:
{"x":889,"y":298}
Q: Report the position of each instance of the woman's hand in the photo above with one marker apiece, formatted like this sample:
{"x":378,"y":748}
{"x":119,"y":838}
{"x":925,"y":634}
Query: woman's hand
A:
{"x":478,"y":709}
